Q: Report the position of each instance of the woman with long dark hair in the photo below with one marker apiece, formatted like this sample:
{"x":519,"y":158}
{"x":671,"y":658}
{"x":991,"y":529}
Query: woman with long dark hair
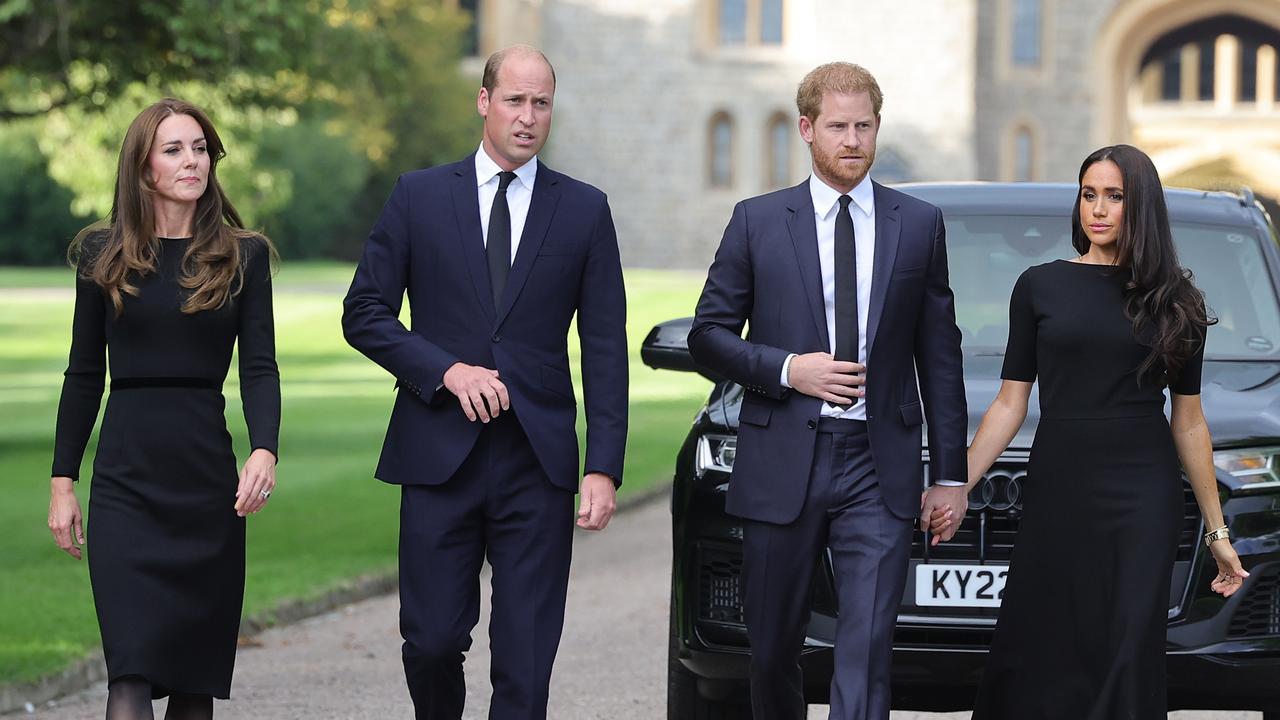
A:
{"x":1081,"y":634}
{"x":164,"y":293}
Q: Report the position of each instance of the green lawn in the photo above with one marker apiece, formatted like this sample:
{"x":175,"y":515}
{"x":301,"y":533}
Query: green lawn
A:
{"x":329,"y":520}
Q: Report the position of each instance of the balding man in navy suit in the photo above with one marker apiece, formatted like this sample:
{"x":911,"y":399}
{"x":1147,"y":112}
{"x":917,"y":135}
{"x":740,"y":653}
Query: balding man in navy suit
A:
{"x":497,"y":253}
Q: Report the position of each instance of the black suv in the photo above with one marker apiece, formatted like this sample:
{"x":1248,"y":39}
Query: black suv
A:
{"x":1222,"y":653}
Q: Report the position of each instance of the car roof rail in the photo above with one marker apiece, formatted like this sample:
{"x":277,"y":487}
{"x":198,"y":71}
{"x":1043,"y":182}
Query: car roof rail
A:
{"x":1247,"y":198}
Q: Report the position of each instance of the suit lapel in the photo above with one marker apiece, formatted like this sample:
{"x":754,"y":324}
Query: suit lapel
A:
{"x":888,"y":228}
{"x":804,"y":236}
{"x":542,"y":207}
{"x":466,"y":209}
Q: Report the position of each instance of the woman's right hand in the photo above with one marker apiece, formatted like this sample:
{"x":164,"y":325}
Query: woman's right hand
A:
{"x":1231,"y":575}
{"x":65,"y":521}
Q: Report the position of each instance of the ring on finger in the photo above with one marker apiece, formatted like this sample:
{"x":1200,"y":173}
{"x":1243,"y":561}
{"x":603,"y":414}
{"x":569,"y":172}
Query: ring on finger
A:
{"x":265,"y":494}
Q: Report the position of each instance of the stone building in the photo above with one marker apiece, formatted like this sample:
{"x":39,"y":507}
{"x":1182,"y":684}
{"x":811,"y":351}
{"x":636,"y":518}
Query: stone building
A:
{"x":680,"y":108}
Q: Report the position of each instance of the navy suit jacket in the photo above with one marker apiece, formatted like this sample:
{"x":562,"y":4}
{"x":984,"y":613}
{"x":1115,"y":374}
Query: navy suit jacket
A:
{"x":766,"y":273}
{"x":428,"y":242}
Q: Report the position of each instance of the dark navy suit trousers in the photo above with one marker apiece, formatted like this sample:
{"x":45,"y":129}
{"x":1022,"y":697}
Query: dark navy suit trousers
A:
{"x":843,"y":511}
{"x":498,"y":506}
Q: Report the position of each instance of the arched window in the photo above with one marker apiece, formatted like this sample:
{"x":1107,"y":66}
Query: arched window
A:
{"x":770,"y":22}
{"x":1248,"y":75}
{"x":892,"y":166}
{"x":1208,"y":57}
{"x":1223,"y":59}
{"x":732,"y":20}
{"x":471,"y":38}
{"x":1027,"y":21}
{"x":1171,"y":76}
{"x":780,"y":141}
{"x":720,"y":147}
{"x":748,"y":22}
{"x":1022,"y":165}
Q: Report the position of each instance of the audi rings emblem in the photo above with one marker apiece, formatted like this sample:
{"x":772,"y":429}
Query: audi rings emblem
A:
{"x":999,"y":490}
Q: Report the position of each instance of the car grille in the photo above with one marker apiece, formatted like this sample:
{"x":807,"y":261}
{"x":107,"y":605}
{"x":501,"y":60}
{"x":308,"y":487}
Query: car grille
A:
{"x":987,"y":534}
{"x":719,"y":584}
{"x":1259,"y":614}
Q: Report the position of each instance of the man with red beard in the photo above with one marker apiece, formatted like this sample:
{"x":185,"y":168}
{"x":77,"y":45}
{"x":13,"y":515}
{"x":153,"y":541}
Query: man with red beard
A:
{"x":844,"y":284}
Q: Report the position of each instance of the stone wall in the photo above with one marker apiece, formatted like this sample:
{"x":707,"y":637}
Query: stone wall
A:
{"x":639,"y":83}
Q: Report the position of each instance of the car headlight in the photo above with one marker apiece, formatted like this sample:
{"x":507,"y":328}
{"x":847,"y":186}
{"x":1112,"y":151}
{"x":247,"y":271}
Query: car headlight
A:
{"x":1253,"y":470}
{"x":715,"y":452}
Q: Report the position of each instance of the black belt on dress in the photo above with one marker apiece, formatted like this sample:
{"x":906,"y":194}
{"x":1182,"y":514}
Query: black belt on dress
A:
{"x":135,"y":383}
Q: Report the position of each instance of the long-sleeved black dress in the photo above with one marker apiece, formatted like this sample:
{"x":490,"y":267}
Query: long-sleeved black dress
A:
{"x":1081,"y":634}
{"x":165,"y":546}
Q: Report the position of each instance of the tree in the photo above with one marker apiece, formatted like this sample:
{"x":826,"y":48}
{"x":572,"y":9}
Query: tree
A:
{"x":317,"y":100}
{"x":35,"y":225}
{"x":55,"y":53}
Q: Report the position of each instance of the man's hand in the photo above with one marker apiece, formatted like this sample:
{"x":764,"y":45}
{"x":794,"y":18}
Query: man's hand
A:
{"x":942,"y":510}
{"x":599,"y":498}
{"x":820,"y":375}
{"x":479,"y":391}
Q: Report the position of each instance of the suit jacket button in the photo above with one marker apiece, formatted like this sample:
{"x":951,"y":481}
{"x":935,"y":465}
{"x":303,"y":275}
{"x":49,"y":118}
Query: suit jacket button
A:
{"x":812,"y":424}
{"x":497,"y":338}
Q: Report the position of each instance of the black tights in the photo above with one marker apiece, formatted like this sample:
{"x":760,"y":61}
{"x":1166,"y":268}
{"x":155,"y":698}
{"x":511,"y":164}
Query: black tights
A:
{"x":129,"y":698}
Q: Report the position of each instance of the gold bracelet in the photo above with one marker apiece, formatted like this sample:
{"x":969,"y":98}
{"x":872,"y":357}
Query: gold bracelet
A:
{"x":1221,"y":533}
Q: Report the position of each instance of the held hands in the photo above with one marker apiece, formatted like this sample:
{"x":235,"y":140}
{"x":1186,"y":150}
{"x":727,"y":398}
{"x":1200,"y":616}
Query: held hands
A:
{"x":819,"y":375}
{"x":1231,"y":575}
{"x":942,"y":509}
{"x":599,"y":498}
{"x":478,"y":389}
{"x":65,"y":520}
{"x":257,"y":480}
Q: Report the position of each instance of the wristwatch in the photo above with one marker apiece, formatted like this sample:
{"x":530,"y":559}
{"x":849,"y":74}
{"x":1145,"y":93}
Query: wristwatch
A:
{"x":1221,"y":533}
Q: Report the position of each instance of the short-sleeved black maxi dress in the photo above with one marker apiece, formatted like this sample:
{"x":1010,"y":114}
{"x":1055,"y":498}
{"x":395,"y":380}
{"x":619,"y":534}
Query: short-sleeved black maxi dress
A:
{"x":165,"y":546}
{"x":1081,"y":634}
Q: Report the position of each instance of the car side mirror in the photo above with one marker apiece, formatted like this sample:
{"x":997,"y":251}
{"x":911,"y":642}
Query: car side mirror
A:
{"x":667,"y":348}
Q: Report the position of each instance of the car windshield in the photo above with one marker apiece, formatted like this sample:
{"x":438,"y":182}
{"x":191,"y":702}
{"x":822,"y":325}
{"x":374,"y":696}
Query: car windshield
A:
{"x":987,"y":254}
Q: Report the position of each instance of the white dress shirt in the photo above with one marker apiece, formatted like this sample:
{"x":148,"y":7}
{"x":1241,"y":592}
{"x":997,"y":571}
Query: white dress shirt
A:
{"x":826,"y":204}
{"x":519,"y":194}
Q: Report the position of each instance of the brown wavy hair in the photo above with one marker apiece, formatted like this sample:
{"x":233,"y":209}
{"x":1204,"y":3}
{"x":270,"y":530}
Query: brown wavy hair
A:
{"x":126,"y":249}
{"x":1162,"y":302}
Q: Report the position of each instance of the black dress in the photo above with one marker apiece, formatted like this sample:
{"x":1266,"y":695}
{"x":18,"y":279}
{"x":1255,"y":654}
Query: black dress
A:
{"x":165,"y":547}
{"x":1081,"y":634}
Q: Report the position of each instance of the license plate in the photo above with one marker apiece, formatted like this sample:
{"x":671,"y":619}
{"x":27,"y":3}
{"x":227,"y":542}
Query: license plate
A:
{"x":960,"y":585}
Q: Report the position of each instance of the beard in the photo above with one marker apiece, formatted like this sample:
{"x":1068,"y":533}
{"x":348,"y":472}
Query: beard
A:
{"x":844,"y":173}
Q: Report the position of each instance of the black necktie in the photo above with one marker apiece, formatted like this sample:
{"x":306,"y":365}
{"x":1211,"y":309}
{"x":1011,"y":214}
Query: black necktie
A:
{"x":498,"y":247}
{"x":846,"y":272}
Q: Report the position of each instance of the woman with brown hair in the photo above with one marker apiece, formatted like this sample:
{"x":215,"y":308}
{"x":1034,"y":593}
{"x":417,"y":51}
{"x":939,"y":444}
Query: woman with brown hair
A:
{"x":164,"y":293}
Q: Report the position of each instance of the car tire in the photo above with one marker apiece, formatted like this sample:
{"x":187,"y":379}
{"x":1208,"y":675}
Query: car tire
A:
{"x":684,"y":702}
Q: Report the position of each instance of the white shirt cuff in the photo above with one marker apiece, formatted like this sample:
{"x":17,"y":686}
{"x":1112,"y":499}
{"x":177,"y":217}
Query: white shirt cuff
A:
{"x":948,"y":483}
{"x":786,"y":366}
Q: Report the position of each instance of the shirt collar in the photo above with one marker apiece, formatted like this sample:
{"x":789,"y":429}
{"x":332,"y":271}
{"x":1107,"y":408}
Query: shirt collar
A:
{"x":486,"y":169}
{"x":826,"y":198}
